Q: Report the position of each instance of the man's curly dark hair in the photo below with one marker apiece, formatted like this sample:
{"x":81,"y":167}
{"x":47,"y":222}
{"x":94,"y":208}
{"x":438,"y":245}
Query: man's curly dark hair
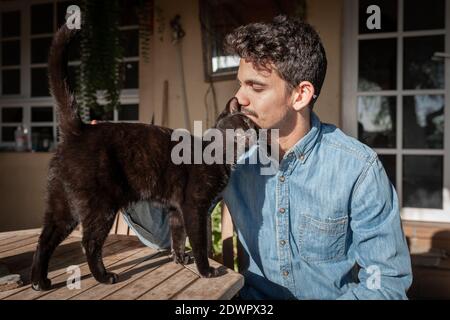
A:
{"x":291,"y":45}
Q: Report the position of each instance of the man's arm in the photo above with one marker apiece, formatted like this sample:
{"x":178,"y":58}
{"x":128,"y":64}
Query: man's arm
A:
{"x":379,"y":245}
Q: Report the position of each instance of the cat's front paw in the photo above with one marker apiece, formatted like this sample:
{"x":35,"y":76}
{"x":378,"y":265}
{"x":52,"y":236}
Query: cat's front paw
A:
{"x":181,"y":258}
{"x":41,"y":285}
{"x":109,"y":278}
{"x":210,"y":272}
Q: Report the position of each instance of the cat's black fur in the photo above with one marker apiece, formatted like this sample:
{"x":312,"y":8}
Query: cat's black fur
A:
{"x":100,"y":169}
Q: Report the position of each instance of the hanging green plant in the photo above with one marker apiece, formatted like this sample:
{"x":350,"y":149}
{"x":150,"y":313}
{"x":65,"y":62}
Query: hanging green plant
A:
{"x":101,"y":55}
{"x":101,"y":68}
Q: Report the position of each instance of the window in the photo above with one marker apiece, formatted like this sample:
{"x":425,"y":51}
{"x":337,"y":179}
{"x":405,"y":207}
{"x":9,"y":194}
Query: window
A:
{"x":218,"y":18}
{"x":396,"y":95}
{"x":27,"y":28}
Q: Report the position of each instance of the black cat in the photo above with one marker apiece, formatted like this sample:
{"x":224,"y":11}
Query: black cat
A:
{"x":99,"y":169}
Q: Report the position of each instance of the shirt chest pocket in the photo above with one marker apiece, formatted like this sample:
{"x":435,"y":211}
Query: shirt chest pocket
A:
{"x":322,"y":240}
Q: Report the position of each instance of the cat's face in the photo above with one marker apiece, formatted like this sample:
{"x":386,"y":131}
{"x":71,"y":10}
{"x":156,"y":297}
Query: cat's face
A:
{"x":233,"y":117}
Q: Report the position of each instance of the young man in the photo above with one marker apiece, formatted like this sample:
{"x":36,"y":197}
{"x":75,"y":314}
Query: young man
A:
{"x":327,"y":224}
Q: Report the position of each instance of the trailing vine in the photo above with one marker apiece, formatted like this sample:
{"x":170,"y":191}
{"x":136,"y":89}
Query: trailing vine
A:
{"x":101,"y":55}
{"x":101,"y":72}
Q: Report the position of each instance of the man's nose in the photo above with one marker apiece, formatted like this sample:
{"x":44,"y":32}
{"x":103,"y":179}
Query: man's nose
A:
{"x":242,"y":98}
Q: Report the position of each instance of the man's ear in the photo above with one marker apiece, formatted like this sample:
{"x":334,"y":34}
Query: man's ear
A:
{"x":303,"y":95}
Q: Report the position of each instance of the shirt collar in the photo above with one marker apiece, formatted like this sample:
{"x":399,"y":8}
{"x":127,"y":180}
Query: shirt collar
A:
{"x":302,"y":149}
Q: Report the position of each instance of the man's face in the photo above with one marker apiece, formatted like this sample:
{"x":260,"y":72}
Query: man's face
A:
{"x":263,"y":96}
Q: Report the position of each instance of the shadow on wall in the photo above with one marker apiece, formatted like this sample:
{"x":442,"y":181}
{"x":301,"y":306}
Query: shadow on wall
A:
{"x":431,"y":267}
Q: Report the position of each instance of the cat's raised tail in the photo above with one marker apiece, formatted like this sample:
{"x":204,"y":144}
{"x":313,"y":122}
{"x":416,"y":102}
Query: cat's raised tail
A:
{"x":69,"y":121}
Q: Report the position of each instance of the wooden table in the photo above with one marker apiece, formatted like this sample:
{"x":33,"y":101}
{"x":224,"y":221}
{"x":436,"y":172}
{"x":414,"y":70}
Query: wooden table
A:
{"x":144,"y":273}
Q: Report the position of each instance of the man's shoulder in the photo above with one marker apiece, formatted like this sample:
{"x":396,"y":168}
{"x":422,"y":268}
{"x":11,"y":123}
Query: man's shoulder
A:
{"x":334,"y":140}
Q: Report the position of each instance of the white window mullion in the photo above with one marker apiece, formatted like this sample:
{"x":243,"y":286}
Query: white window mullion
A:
{"x":349,"y":118}
{"x":399,"y":156}
{"x":446,"y":196}
{"x":27,"y":121}
{"x":400,"y":33}
{"x":25,"y":51}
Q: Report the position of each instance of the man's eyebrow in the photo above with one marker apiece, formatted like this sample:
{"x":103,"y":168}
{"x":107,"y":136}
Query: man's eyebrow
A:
{"x":253,"y":81}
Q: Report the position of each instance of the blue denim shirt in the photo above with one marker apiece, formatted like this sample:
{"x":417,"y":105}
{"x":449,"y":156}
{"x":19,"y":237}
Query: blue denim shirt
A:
{"x":325,"y":226}
{"x":329,"y":208}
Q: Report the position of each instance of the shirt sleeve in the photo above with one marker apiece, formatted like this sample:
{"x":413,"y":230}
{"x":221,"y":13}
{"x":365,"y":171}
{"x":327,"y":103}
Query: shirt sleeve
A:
{"x":378,"y":242}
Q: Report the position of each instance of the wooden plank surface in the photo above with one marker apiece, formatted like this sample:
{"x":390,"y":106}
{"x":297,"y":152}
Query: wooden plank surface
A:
{"x":220,"y":288}
{"x":144,"y":273}
{"x":127,"y":274}
{"x":74,"y":257}
{"x":138,"y":288}
{"x":174,"y":284}
{"x":88,"y":281}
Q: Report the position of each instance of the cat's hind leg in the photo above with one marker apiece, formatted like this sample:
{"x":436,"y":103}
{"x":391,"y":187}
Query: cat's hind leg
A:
{"x":58,"y":224}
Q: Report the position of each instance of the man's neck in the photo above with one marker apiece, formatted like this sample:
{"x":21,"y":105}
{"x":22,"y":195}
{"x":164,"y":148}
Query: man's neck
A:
{"x":301,"y":127}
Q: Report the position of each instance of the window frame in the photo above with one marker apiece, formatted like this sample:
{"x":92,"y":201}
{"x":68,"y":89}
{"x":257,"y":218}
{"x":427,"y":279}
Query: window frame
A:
{"x":350,"y":94}
{"x":24,"y":99}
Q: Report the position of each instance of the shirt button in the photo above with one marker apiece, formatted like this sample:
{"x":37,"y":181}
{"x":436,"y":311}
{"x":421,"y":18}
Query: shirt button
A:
{"x":282,"y":242}
{"x":282,"y":210}
{"x":285,"y":273}
{"x":302,"y":157}
{"x":282,"y":178}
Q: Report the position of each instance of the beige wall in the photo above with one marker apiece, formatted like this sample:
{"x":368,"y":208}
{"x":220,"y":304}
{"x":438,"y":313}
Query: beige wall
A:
{"x":22,"y":189}
{"x":23,"y":175}
{"x":163,"y":66}
{"x":325,"y":15}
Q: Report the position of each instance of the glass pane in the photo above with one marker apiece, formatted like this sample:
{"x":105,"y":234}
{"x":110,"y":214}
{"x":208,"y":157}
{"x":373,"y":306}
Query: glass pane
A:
{"x":41,"y":114}
{"x":423,"y":122}
{"x":422,"y":181}
{"x":11,"y":24}
{"x":11,"y":81}
{"x":389,"y":164}
{"x":424,"y":15}
{"x":129,"y":112}
{"x":75,"y":49}
{"x":61,"y":8}
{"x":101,"y":115}
{"x":13,"y":114}
{"x":39,"y":82}
{"x":72,"y":76}
{"x":377,"y":121}
{"x":131,"y":73}
{"x":11,"y":53}
{"x":42,"y":18}
{"x":377,"y":65}
{"x":420,"y":71}
{"x":388,"y":12}
{"x":218,"y":18}
{"x":41,"y":138}
{"x":130,"y":43}
{"x":8,"y":134}
{"x":128,"y":12}
{"x":39,"y":50}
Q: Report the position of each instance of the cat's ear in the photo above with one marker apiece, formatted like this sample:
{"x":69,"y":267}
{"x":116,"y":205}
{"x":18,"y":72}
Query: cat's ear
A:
{"x":233,"y":105}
